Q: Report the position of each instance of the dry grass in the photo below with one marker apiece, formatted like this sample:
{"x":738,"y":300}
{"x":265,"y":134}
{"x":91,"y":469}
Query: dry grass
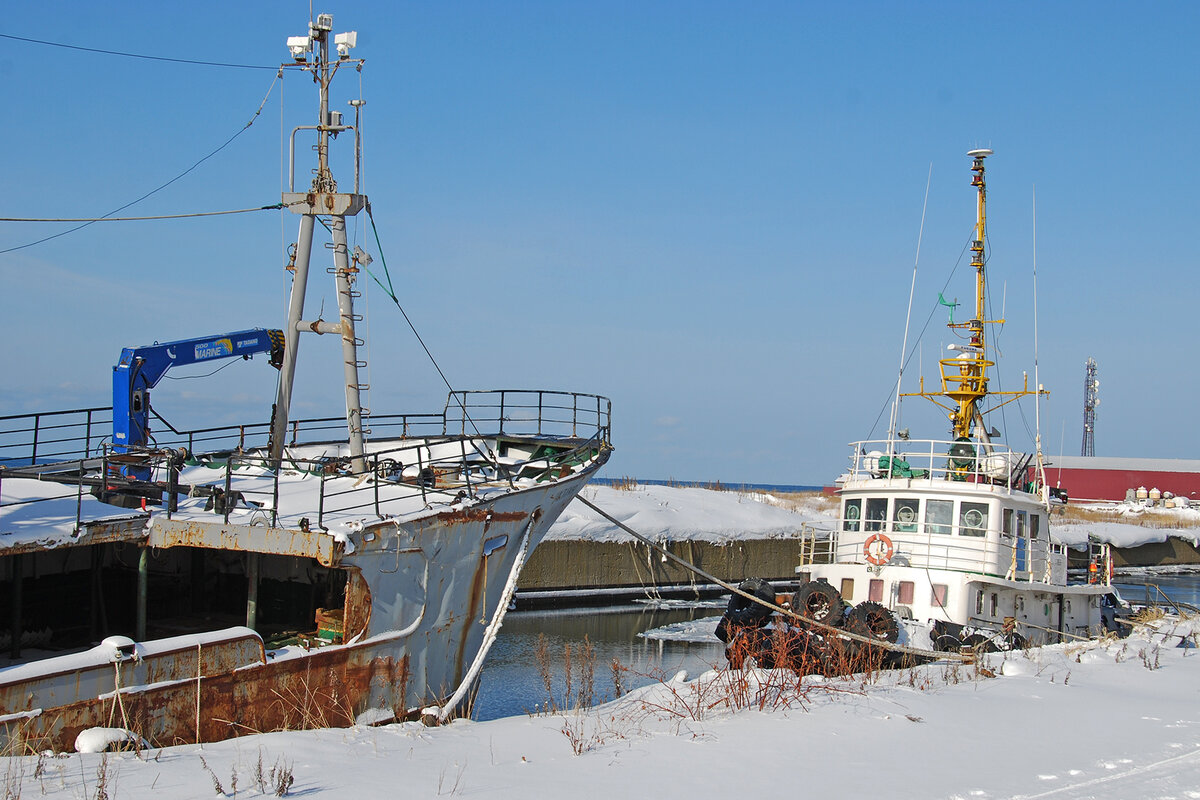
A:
{"x":804,"y":501}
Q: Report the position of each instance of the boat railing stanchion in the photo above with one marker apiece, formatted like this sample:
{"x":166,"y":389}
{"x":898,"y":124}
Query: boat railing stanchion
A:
{"x":321,"y":503}
{"x":228,"y":486}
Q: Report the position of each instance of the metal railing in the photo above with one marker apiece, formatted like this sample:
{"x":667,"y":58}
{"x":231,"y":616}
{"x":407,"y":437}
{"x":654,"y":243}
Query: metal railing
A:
{"x":934,"y":460}
{"x":52,"y":436}
{"x":49,"y":437}
{"x":520,"y":412}
{"x":569,"y":432}
{"x":995,"y":553}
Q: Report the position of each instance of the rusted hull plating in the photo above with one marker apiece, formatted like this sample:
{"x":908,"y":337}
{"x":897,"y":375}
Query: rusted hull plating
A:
{"x":419,"y":599}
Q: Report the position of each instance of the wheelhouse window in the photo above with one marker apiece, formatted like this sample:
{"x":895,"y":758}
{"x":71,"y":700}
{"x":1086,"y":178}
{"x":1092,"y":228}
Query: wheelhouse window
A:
{"x":875,"y":590}
{"x":904,"y":592}
{"x":851,"y":514}
{"x":1008,"y":525}
{"x":876,"y":513}
{"x":973,"y":519}
{"x":906,"y":514}
{"x":938,"y":597}
{"x":939,"y":516}
{"x":1034,"y":524}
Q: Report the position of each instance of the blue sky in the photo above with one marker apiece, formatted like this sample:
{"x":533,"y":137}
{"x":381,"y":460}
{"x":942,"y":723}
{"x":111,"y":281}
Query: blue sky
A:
{"x":708,"y":212}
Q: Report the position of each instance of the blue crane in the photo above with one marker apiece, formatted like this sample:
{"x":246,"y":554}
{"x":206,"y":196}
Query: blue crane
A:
{"x":141,"y":368}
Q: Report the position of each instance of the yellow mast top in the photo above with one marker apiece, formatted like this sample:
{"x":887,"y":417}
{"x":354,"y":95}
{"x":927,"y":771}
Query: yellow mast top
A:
{"x":964,"y":377}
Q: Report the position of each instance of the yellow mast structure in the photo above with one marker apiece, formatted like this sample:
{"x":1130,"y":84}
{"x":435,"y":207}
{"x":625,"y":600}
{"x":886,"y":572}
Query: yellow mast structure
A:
{"x":964,"y":377}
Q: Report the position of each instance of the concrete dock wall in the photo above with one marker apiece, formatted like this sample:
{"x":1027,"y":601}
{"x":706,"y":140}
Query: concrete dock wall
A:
{"x":578,"y":564}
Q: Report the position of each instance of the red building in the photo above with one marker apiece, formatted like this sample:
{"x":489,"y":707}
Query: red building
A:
{"x":1093,"y":478}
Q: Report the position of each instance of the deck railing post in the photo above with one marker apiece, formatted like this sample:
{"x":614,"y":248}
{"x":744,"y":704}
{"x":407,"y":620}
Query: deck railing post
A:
{"x":375,"y":482}
{"x":321,"y":503}
{"x":228,"y":485}
{"x":79,"y":500}
{"x":275,"y":496}
{"x":37,"y":419}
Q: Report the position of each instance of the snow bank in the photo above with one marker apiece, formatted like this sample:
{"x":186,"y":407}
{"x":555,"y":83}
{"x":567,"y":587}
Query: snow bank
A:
{"x":678,"y":513}
{"x":1100,"y":719}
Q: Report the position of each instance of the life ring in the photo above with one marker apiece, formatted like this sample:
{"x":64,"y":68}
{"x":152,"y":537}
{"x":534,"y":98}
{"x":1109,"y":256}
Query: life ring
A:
{"x":878,"y":549}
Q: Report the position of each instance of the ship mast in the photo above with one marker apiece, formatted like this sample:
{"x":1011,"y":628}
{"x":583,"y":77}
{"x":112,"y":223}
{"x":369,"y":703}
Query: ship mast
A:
{"x":323,"y":199}
{"x":965,"y":376}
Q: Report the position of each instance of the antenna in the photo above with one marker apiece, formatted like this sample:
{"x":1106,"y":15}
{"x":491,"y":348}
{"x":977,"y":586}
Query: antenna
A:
{"x":1091,"y":399}
{"x":1037,"y":396}
{"x":911,"y":289}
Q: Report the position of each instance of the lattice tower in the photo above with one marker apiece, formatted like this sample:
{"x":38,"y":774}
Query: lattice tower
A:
{"x":1091,"y":399}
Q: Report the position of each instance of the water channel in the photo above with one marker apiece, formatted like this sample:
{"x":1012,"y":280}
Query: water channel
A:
{"x":512,"y":682}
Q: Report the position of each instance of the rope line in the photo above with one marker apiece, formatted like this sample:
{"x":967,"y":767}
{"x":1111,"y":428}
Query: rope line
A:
{"x":142,"y":219}
{"x":227,"y":142}
{"x":132,"y":55}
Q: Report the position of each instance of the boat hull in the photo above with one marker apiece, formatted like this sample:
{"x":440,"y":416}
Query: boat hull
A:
{"x":422,"y":601}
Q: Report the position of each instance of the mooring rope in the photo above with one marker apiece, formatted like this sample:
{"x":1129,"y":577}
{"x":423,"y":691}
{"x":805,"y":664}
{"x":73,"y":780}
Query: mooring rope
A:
{"x":828,"y":629}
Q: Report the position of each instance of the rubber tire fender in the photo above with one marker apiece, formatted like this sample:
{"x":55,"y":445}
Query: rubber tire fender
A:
{"x":746,"y":613}
{"x":873,"y":620}
{"x":819,"y":601}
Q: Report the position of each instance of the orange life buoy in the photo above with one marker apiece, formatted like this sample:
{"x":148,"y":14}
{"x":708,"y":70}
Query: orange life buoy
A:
{"x":878,"y":549}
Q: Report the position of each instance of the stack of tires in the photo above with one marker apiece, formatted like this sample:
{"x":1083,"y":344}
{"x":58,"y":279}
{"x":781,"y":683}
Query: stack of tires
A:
{"x":809,"y":645}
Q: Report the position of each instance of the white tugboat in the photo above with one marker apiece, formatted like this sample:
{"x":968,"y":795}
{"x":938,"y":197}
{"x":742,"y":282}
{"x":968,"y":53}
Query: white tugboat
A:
{"x":954,"y":534}
{"x":268,"y":576}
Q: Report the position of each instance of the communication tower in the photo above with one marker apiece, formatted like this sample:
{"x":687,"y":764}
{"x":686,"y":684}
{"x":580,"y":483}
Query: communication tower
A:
{"x":1091,"y":399}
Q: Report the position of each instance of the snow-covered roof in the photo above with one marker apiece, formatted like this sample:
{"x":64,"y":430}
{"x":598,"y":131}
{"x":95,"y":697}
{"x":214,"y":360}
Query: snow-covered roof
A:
{"x":1124,"y":464}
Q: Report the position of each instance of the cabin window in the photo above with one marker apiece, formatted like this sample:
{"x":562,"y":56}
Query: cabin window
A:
{"x":848,"y":589}
{"x":1008,"y":525}
{"x":995,"y":604}
{"x":904,"y":518}
{"x":973,"y":519}
{"x":851,"y":515}
{"x":939,"y":516}
{"x":875,"y":590}
{"x":938,"y":597}
{"x":905,"y":592}
{"x":979,"y":603}
{"x":1022,"y":516}
{"x":1034,"y":524}
{"x":876,"y":513}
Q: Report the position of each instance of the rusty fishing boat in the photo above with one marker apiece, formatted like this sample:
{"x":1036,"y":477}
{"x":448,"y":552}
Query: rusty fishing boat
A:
{"x":172,"y":585}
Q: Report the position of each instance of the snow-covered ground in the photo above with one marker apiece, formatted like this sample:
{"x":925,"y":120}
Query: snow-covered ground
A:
{"x":1117,"y":719}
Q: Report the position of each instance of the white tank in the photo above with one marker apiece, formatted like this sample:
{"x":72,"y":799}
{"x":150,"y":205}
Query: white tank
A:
{"x":1155,"y":494}
{"x":1142,"y":494}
